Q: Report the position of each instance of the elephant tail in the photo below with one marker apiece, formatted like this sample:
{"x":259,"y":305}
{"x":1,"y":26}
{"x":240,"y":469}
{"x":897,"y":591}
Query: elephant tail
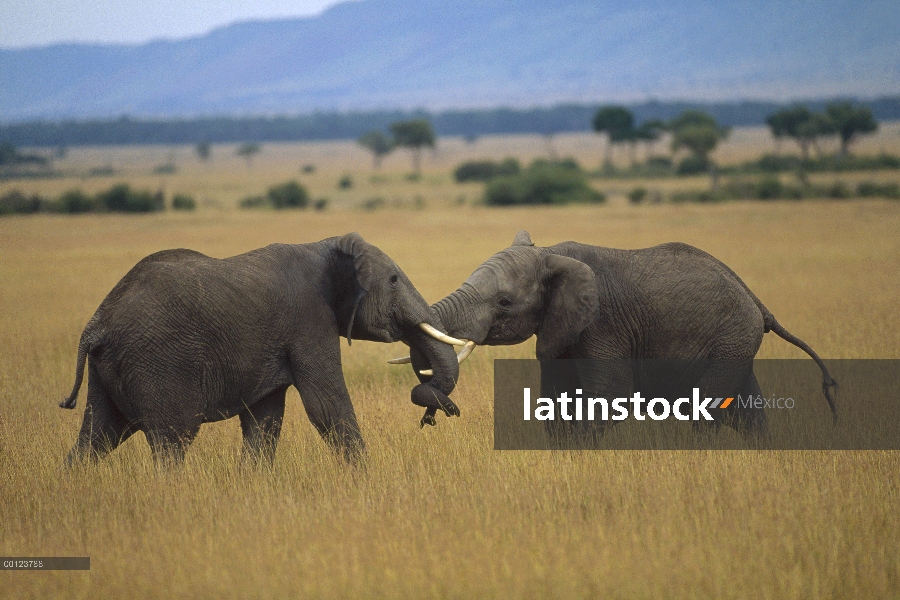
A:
{"x":827,"y":382}
{"x":88,"y":341}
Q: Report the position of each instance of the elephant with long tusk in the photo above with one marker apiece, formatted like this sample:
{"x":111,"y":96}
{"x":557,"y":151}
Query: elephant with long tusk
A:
{"x":671,"y":301}
{"x":184,"y":339}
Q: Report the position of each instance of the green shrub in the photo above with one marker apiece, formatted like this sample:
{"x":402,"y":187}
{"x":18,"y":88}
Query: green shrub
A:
{"x":321,"y":204}
{"x":166,"y":169}
{"x":76,"y":201}
{"x":373,"y":203}
{"x":542,"y":183}
{"x":484,"y":170}
{"x":637,"y":195}
{"x":778,"y":163}
{"x":346,"y":182}
{"x":16,"y":202}
{"x":288,"y":195}
{"x":769,"y":188}
{"x":869,"y":189}
{"x":183,"y":202}
{"x":254,"y":202}
{"x":696,"y":196}
{"x":693,"y":165}
{"x":308,"y":168}
{"x":838,"y":190}
{"x":121,"y":198}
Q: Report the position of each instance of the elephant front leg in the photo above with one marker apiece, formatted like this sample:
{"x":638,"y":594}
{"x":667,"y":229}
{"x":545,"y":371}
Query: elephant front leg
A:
{"x":261,"y":426}
{"x":323,"y":391}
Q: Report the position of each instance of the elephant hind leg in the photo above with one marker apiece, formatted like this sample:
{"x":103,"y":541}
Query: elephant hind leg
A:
{"x":751,"y":423}
{"x":103,"y":427}
{"x":261,"y":426}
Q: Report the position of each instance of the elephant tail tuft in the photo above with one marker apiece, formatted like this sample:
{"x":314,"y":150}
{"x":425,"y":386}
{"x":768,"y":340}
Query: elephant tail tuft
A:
{"x":828,"y":383}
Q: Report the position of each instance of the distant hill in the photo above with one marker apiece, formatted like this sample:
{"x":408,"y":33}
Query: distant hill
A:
{"x":402,"y":54}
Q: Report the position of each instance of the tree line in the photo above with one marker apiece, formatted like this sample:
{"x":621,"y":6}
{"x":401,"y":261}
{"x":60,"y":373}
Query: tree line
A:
{"x":350,"y":125}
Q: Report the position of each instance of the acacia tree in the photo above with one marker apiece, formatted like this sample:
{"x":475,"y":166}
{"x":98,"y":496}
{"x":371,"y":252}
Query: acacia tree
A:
{"x":378,"y":144}
{"x":203,"y":150}
{"x":699,"y":133}
{"x":617,"y":123}
{"x":649,"y":133}
{"x":802,"y":125}
{"x":850,"y":122}
{"x":415,"y":135}
{"x":248,"y":151}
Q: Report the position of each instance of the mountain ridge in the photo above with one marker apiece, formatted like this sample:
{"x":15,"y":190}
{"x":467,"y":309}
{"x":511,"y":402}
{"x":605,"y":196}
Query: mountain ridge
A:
{"x":386,"y":54}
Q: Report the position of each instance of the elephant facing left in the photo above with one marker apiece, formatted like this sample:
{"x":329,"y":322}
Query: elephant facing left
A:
{"x":184,"y":339}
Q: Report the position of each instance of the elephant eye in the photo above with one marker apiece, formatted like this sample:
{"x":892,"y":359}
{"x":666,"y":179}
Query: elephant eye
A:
{"x":504,"y":302}
{"x":394,"y":279}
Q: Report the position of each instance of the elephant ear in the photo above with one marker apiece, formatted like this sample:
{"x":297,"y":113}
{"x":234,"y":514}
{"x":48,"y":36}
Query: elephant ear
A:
{"x":571,"y":304}
{"x":522,"y":239}
{"x":354,"y":245}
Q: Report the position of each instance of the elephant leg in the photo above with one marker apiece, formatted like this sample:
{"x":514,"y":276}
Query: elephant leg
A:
{"x":169,"y":444}
{"x":104,"y":426}
{"x":261,"y":426}
{"x":320,"y":381}
{"x":751,"y":423}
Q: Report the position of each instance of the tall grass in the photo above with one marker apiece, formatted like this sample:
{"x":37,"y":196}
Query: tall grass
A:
{"x":437,"y":512}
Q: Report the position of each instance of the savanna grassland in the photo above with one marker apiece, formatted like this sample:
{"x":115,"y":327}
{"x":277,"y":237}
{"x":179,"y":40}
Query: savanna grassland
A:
{"x":437,"y":512}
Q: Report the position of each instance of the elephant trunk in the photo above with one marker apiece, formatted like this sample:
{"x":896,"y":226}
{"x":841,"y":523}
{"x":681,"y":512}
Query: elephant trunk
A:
{"x":429,"y":353}
{"x":450,"y":312}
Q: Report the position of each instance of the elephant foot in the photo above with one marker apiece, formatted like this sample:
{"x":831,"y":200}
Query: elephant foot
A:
{"x":432,"y":399}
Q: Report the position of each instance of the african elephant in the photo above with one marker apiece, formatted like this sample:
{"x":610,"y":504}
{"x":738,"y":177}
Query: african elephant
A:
{"x":185,"y":339}
{"x":671,"y":301}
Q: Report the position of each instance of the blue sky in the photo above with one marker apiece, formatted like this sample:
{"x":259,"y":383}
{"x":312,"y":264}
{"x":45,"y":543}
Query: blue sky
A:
{"x":26,"y":23}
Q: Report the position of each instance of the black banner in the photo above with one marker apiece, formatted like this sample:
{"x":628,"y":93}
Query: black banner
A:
{"x":683,"y":405}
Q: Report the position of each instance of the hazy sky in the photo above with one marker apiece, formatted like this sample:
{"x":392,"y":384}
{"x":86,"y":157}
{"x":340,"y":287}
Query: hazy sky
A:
{"x":26,"y":23}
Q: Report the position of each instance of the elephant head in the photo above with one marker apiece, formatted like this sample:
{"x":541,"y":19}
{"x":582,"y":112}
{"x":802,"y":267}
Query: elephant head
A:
{"x":517,"y":293}
{"x":379,"y":303}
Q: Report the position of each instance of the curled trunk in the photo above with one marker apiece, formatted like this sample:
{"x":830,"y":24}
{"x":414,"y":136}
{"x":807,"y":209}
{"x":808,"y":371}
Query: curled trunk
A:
{"x":433,"y":391}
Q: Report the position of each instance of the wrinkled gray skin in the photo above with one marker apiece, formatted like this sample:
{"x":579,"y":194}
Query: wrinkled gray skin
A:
{"x":671,"y":301}
{"x":184,"y":339}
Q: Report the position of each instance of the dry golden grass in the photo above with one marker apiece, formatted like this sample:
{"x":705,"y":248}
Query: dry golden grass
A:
{"x":437,"y":512}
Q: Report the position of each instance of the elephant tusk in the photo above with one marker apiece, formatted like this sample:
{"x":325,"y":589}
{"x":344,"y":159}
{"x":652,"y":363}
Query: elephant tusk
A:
{"x":463,"y":355}
{"x":443,"y":337}
{"x":400,"y":361}
{"x":465,"y":352}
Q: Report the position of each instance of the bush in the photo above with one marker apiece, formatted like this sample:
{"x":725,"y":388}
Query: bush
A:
{"x":769,"y":188}
{"x":166,"y":169}
{"x":121,"y":198}
{"x":869,"y":189}
{"x":76,"y":201}
{"x":693,"y":165}
{"x":696,"y":196}
{"x":308,"y":168}
{"x":254,"y":202}
{"x":637,"y":195}
{"x":288,"y":195}
{"x":542,"y":183}
{"x":346,"y":182}
{"x":15,"y":202}
{"x":183,"y":202}
{"x":485,"y":170}
{"x":373,"y":203}
{"x":777,"y":163}
{"x":321,"y":204}
{"x":838,"y":190}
